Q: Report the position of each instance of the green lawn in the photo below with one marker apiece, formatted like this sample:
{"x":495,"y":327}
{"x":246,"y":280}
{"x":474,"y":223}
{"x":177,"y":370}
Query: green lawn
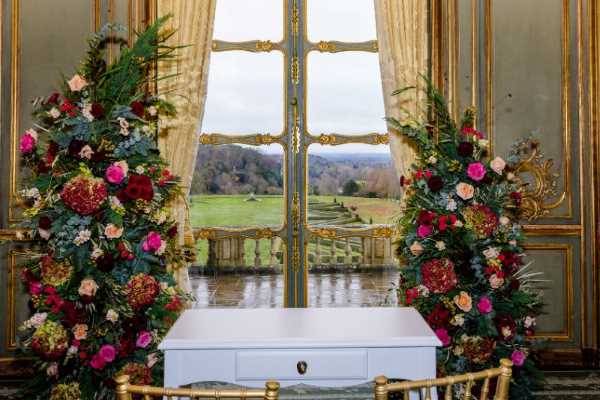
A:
{"x":233,"y":211}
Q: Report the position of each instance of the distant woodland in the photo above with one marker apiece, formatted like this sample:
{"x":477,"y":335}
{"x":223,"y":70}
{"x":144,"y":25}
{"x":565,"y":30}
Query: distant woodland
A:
{"x":233,"y":169}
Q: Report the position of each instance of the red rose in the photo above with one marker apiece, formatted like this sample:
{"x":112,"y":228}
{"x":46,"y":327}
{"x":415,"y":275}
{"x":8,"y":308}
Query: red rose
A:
{"x":53,"y":98}
{"x":137,"y":107}
{"x":506,"y":326}
{"x":435,"y":183}
{"x":97,"y":110}
{"x":68,"y":107}
{"x":45,"y":223}
{"x":172,"y":232}
{"x":439,"y":317}
{"x":438,"y":275}
{"x":138,"y":187}
{"x":411,"y":295}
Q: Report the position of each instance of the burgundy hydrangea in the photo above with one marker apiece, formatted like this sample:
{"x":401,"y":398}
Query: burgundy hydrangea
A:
{"x":438,"y":275}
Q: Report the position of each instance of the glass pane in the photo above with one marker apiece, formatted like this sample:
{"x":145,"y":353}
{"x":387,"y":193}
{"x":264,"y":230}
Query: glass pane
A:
{"x":237,"y":20}
{"x":344,"y":93}
{"x":345,"y":20}
{"x":237,"y":186}
{"x":245,"y":93}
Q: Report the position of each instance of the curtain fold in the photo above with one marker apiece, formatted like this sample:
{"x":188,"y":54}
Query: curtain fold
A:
{"x":193,"y":23}
{"x":403,"y":48}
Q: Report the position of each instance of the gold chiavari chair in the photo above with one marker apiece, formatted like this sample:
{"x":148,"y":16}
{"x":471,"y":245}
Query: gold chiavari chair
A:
{"x":125,"y":391}
{"x":503,"y":373}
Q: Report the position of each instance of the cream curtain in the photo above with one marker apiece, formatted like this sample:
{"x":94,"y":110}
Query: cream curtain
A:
{"x":178,"y":140}
{"x":402,"y":40}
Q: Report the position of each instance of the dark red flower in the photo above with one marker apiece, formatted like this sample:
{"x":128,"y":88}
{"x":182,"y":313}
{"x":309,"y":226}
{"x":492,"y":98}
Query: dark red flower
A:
{"x":506,"y":326}
{"x":438,"y":275}
{"x":84,"y":195}
{"x":44,"y":223}
{"x":71,"y":314}
{"x":470,"y":131}
{"x":439,"y":317}
{"x":465,"y":149}
{"x":138,"y":187}
{"x":75,"y":147}
{"x":53,"y":98}
{"x":137,"y":107}
{"x":516,"y":197}
{"x":435,"y":183}
{"x":426,"y":217}
{"x":51,"y":152}
{"x":43,"y":167}
{"x":174,"y":305}
{"x":97,"y":110}
{"x":443,"y":223}
{"x":172,"y":232}
{"x":514,"y":284}
{"x":411,"y":295}
{"x":106,"y":262}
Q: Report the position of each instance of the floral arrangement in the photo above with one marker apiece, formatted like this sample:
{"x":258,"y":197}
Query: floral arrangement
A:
{"x":462,"y":245}
{"x":102,"y":295}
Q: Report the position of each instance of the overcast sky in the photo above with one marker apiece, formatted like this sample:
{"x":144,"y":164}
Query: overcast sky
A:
{"x":245,"y":90}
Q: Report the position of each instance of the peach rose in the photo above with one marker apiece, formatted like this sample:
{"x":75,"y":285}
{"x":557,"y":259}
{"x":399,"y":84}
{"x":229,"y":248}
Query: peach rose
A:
{"x":495,"y":281}
{"x":77,"y":83}
{"x":463,"y":301}
{"x":465,"y":191}
{"x":498,"y":165}
{"x":416,"y":248}
{"x":88,"y":287}
{"x":80,"y":331}
{"x":113,"y":232}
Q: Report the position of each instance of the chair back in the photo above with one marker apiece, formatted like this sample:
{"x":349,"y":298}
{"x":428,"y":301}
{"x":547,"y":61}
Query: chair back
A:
{"x":125,"y":391}
{"x":503,"y":373}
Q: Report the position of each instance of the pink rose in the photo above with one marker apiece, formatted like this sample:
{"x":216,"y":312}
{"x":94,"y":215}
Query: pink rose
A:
{"x":28,"y":141}
{"x":88,"y":287}
{"x":465,"y":191}
{"x":484,"y":305}
{"x":144,"y":339}
{"x":77,"y":83}
{"x":476,"y":171}
{"x":107,"y":353}
{"x":97,"y":362}
{"x":518,"y":358}
{"x":115,"y":174}
{"x":424,"y":230}
{"x":442,"y":334}
{"x":498,"y":165}
{"x":153,"y":242}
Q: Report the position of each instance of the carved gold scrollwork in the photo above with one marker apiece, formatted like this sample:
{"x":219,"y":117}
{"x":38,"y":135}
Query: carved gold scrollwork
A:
{"x":324,"y":46}
{"x":208,"y":139}
{"x":327,"y":233}
{"x":295,"y":70}
{"x":540,"y":193}
{"x":383,"y":232}
{"x":265,"y":139}
{"x":205,"y":233}
{"x":264,"y":233}
{"x":325,"y":139}
{"x":264,"y":45}
{"x":15,"y":235}
{"x":382,"y":139}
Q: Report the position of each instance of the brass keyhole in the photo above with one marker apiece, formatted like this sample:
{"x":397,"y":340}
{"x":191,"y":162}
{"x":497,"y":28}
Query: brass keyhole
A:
{"x":302,"y":366}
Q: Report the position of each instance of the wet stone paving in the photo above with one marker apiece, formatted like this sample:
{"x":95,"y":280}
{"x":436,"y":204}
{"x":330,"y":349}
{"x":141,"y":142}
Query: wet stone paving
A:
{"x":350,"y":289}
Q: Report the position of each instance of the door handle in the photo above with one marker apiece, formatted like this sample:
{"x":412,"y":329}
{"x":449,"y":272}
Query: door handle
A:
{"x":302,"y":366}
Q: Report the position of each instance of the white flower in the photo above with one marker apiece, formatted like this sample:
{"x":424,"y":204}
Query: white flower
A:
{"x":504,"y":220}
{"x":36,"y":320}
{"x":54,"y":113}
{"x":82,"y":237}
{"x":52,"y":369}
{"x":458,"y":350}
{"x":483,"y":142}
{"x":32,"y":193}
{"x":440,"y":245}
{"x":164,"y":285}
{"x":140,"y":170}
{"x":512,"y":242}
{"x":86,"y":111}
{"x":423,"y":291}
{"x":510,"y":176}
{"x":160,"y":217}
{"x":86,"y":152}
{"x":151,"y":359}
{"x":458,"y":320}
{"x":432,"y":160}
{"x":529,"y":321}
{"x":97,"y":253}
{"x":498,"y":165}
{"x":33,"y":133}
{"x":451,"y":206}
{"x":112,"y":315}
{"x":72,"y":351}
{"x":496,"y":282}
{"x":77,"y":83}
{"x":458,"y":223}
{"x":491,"y":252}
{"x":44,"y":233}
{"x":124,"y":126}
{"x":152,"y":110}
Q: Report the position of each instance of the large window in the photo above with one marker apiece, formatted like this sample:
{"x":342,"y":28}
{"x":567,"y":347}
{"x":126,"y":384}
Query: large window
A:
{"x":294,"y":186}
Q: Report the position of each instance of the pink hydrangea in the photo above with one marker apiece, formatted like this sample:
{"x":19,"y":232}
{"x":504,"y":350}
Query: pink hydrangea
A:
{"x":484,"y":305}
{"x":153,"y":242}
{"x":144,"y":339}
{"x":518,"y":358}
{"x":424,"y":230}
{"x":28,"y":142}
{"x":476,"y":171}
{"x":115,"y":174}
{"x":107,"y":352}
{"x":442,"y":334}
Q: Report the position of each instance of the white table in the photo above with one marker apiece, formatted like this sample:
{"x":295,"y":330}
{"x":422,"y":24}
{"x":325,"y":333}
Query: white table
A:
{"x":316,"y":346}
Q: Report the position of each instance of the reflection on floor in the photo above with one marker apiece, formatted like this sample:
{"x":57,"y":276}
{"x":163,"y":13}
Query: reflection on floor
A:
{"x":324,"y":290}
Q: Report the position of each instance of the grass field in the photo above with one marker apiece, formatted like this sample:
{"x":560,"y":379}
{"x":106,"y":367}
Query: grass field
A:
{"x":232,"y":211}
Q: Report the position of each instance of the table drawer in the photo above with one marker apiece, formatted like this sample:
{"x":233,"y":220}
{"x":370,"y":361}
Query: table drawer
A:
{"x":301,"y":364}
